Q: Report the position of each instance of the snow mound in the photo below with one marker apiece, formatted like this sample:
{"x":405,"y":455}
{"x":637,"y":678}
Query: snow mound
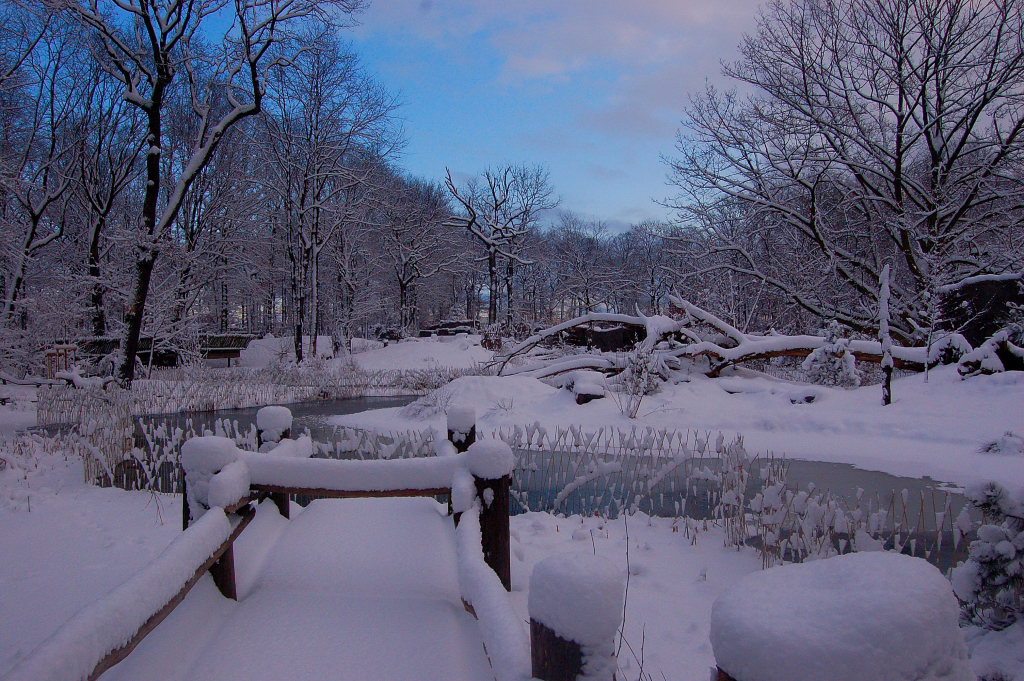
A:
{"x":268,"y":350}
{"x":880,"y":616}
{"x":461,"y":419}
{"x":202,"y":458}
{"x":273,"y":421}
{"x":1008,"y":443}
{"x":489,"y":459}
{"x":579,"y":597}
{"x":301,"y":448}
{"x":463,"y":491}
{"x":229,"y":486}
{"x":74,"y":650}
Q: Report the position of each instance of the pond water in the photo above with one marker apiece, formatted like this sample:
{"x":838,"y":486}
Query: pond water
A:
{"x":310,"y":416}
{"x":541,"y":475}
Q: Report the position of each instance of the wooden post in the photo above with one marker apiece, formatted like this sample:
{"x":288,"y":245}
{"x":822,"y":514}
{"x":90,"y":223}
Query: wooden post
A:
{"x":462,"y":441}
{"x":186,"y":512}
{"x":494,"y":526}
{"x":223,"y":573}
{"x":722,"y":676}
{"x":281,"y":500}
{"x":490,"y":464}
{"x":552,"y":657}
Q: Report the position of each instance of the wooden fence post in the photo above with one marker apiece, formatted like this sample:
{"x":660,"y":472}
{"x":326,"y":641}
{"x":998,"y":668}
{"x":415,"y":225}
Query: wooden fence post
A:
{"x":223,"y":573}
{"x":551,"y":656}
{"x":575,"y":605}
{"x":269,"y":415}
{"x":462,"y":428}
{"x":186,"y":512}
{"x":490,"y":462}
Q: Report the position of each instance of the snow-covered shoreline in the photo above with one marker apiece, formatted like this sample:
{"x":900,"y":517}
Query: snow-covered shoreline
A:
{"x":935,"y":429}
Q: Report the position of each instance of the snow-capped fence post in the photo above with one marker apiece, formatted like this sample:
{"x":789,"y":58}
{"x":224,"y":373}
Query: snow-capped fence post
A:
{"x":490,"y":463}
{"x":274,"y":424}
{"x":462,"y":427}
{"x":575,"y":606}
{"x":870,"y":615}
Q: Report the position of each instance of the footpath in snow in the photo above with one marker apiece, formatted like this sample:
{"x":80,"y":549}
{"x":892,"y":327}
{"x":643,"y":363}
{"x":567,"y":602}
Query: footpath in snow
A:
{"x":350,"y":589}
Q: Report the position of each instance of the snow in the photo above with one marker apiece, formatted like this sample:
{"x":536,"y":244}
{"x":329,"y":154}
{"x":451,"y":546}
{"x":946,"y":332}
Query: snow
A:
{"x":880,"y":616}
{"x":489,"y":459}
{"x":936,"y":428}
{"x":201,"y":458}
{"x":351,"y":475}
{"x":503,"y":633}
{"x":268,"y":350}
{"x":273,"y":421}
{"x":300,"y":448}
{"x":461,"y":419}
{"x":997,"y":655}
{"x":72,"y":652}
{"x":580,"y":598}
{"x":229,"y":486}
{"x":463,"y":490}
{"x":347,"y":589}
{"x":64,"y":544}
{"x":425,"y":353}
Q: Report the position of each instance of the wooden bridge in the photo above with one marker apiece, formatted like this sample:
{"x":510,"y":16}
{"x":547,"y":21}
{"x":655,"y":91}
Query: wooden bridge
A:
{"x":347,"y":589}
{"x":358,"y":586}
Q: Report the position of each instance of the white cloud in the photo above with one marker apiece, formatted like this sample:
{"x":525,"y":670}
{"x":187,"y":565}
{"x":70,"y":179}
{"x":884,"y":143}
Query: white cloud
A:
{"x":647,"y":55}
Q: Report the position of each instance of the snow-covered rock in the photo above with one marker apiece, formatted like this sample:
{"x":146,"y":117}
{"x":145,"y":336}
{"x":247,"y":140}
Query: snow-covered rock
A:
{"x":880,"y":616}
{"x":489,"y":459}
{"x":579,"y":597}
{"x":273,"y":422}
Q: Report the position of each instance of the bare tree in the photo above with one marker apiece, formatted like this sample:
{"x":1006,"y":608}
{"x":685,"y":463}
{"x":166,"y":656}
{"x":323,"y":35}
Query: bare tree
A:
{"x":146,"y":46}
{"x":327,"y":126}
{"x":499,"y":212}
{"x":39,"y":155}
{"x":107,"y":165}
{"x":875,"y":129}
{"x":414,"y":245}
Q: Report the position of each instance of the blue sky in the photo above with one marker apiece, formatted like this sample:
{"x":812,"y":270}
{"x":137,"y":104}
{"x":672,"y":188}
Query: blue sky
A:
{"x":594,"y":90}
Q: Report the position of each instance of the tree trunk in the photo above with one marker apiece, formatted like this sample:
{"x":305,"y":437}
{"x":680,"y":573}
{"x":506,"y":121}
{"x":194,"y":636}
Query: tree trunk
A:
{"x":492,"y":293}
{"x":133,"y":320}
{"x":146,"y":259}
{"x":99,"y":319}
{"x":508,"y":293}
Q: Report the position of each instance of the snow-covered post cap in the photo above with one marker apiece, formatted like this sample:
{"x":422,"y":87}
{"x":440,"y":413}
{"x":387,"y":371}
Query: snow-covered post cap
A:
{"x":462,"y":427}
{"x":575,"y":607}
{"x":877,"y":615}
{"x":489,"y":459}
{"x":202,"y":458}
{"x":273,"y":423}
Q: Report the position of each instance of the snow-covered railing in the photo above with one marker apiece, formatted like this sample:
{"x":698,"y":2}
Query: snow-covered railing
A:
{"x":102,"y":634}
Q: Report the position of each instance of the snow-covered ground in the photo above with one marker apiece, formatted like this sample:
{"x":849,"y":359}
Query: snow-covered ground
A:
{"x":423,"y":353}
{"x":76,"y":542}
{"x":936,"y":428}
{"x":19,"y":412}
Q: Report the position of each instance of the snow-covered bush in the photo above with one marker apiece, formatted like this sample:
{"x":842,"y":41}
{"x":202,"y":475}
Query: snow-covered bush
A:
{"x":642,"y":376}
{"x":430,"y":405}
{"x":833,"y":363}
{"x":990,"y":584}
